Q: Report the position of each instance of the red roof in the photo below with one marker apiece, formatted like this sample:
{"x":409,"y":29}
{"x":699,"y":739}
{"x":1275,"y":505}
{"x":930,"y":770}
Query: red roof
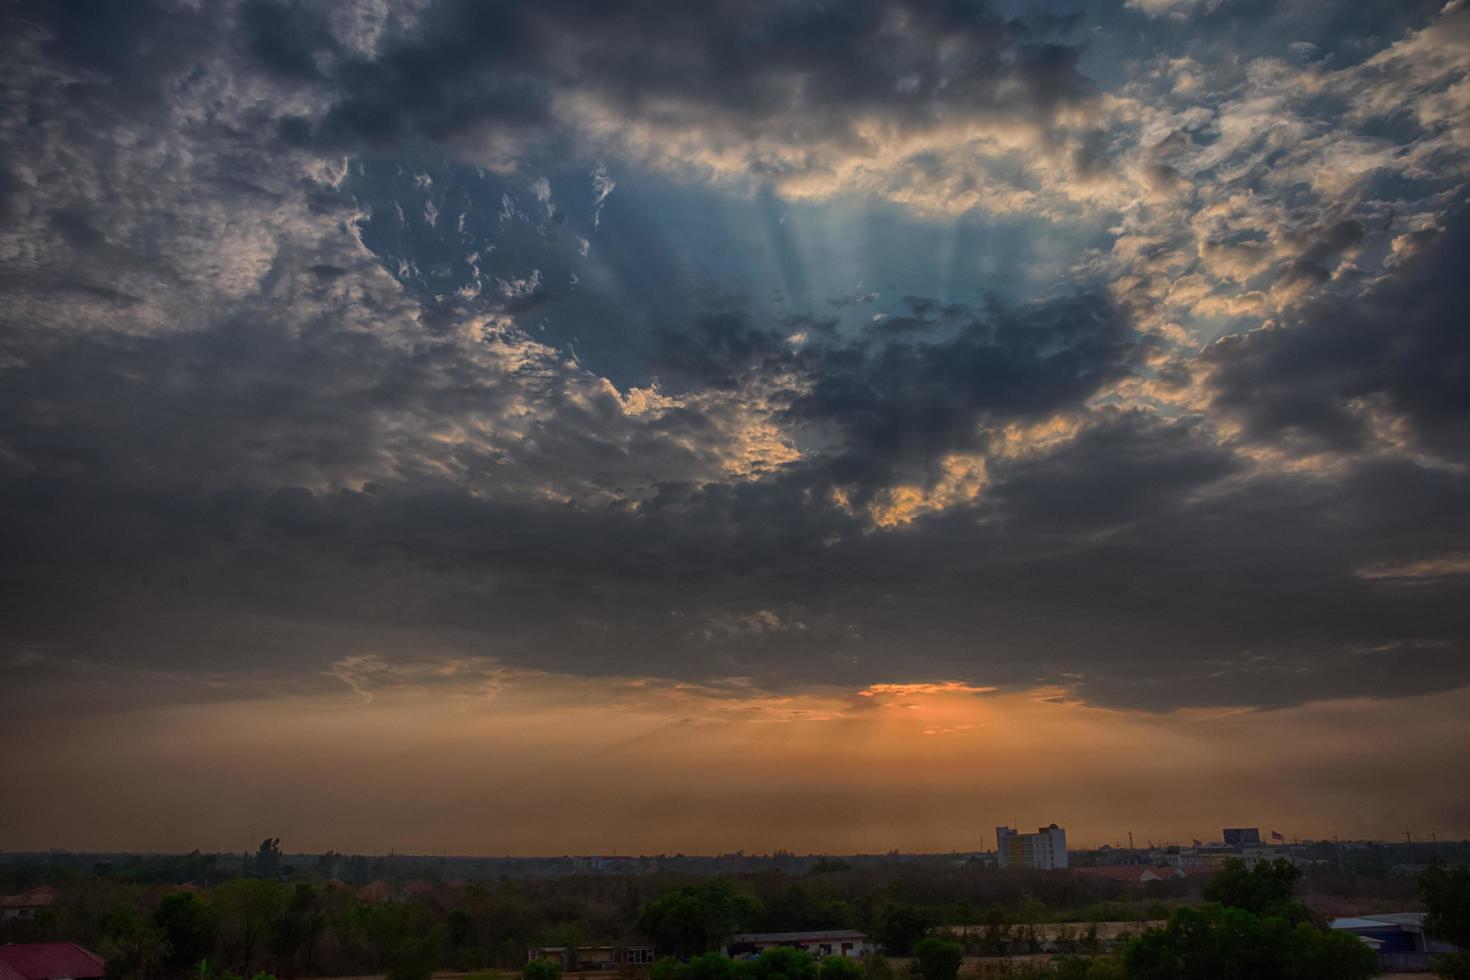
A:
{"x":1118,"y":872}
{"x":49,"y":961}
{"x":1135,"y":872}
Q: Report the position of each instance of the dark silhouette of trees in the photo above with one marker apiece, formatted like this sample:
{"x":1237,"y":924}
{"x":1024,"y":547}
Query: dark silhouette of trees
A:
{"x":781,"y":963}
{"x":268,"y":858}
{"x":1446,"y":894}
{"x":695,"y":919}
{"x":540,"y":969}
{"x":132,"y":945}
{"x":191,"y":929}
{"x":938,"y":959}
{"x":901,"y":927}
{"x":840,"y":968}
{"x":250,"y":910}
{"x":1267,"y":889}
{"x":1218,"y":942}
{"x":300,"y":927}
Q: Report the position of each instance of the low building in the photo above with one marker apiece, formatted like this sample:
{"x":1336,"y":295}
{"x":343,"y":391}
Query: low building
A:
{"x":49,"y":961}
{"x":1252,"y":856}
{"x":604,"y":957}
{"x":1045,"y":850}
{"x":848,"y":943}
{"x":1397,"y":937}
{"x":28,"y":903}
{"x":600,"y":865}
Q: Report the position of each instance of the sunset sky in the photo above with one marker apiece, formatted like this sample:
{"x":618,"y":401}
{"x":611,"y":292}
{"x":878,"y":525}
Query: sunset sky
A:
{"x":583,"y":427}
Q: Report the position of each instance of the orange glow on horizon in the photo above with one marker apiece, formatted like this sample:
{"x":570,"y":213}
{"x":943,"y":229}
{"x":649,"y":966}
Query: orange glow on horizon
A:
{"x":444,"y":760}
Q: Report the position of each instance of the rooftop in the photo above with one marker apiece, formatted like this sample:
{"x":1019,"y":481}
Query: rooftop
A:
{"x":49,"y":961}
{"x":36,"y":897}
{"x":1408,"y":921}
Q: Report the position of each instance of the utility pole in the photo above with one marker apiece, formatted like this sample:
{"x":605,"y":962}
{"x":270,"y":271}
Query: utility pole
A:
{"x":1409,"y":837}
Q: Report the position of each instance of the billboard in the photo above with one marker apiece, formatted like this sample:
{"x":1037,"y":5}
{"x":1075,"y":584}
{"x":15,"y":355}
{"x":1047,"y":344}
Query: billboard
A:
{"x":1241,"y":836}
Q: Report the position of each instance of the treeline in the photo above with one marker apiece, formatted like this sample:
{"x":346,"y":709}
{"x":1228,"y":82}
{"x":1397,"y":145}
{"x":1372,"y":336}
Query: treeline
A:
{"x":1251,"y":925}
{"x":314,"y":924}
{"x":327,"y":928}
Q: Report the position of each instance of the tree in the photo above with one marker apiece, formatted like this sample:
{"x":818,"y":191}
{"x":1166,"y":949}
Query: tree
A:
{"x":415,"y":958}
{"x":408,"y":938}
{"x":782,"y":963}
{"x":541,"y":969}
{"x":693,"y":920}
{"x":301,"y":925}
{"x":876,"y":967}
{"x":460,"y":926}
{"x":1451,"y":966}
{"x":249,"y":912}
{"x":189,"y":927}
{"x":938,"y":959}
{"x":707,"y":966}
{"x":901,"y":927}
{"x":710,"y":966}
{"x":268,"y":857}
{"x":1217,"y":942}
{"x":133,"y":946}
{"x":1447,"y":898}
{"x":1266,"y":889}
{"x":840,"y":968}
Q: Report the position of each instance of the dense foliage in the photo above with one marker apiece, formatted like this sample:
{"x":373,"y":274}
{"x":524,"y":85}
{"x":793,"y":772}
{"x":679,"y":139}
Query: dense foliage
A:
{"x":1217,"y":942}
{"x":337,"y":915}
{"x":692,"y":920}
{"x":1267,"y":889}
{"x":541,"y":969}
{"x":302,"y":921}
{"x":938,"y":959}
{"x":1446,"y":894}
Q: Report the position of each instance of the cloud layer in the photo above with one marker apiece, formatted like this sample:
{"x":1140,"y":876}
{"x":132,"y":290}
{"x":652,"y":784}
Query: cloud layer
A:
{"x":774,"y":348}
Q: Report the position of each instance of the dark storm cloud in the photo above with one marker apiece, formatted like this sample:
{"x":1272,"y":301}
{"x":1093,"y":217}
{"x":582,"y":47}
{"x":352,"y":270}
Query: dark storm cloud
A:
{"x":906,"y":403}
{"x":719,"y":347}
{"x":286,"y":38}
{"x":1122,"y":469}
{"x":1316,"y":381}
{"x":1178,"y":588}
{"x":753,"y":68}
{"x":914,"y":387}
{"x":291,"y":462}
{"x":122,"y":52}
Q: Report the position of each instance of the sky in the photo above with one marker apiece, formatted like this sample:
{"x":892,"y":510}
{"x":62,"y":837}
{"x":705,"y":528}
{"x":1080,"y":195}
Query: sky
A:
{"x":495,"y":428}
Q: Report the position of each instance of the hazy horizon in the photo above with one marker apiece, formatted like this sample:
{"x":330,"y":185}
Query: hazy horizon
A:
{"x":908,"y":769}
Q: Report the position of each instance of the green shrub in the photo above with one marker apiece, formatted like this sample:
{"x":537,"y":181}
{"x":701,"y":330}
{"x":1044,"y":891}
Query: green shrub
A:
{"x":541,"y":969}
{"x":1217,"y":942}
{"x":781,"y":963}
{"x":840,"y":968}
{"x":1451,"y":966}
{"x":938,"y":959}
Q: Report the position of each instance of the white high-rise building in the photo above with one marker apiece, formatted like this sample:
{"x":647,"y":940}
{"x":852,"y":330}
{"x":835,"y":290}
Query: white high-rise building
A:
{"x":1045,"y":850}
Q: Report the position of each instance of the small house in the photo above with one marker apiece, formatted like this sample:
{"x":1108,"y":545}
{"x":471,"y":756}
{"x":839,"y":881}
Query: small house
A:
{"x":847,"y":943}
